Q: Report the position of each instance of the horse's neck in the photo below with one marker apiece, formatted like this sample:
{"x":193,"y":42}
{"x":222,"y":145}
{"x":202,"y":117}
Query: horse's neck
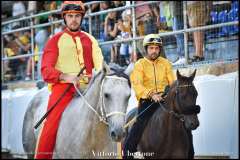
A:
{"x":97,"y":130}
{"x":171,"y":122}
{"x":165,"y":129}
{"x":92,"y":98}
{"x":169,"y":103}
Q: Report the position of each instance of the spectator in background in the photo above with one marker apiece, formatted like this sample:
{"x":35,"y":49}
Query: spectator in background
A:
{"x":103,"y":6}
{"x":11,"y":66}
{"x":176,"y":11}
{"x":40,"y":38}
{"x":117,"y":4}
{"x":106,"y":49}
{"x":198,"y":14}
{"x":145,"y":22}
{"x":32,"y":6}
{"x":95,"y":20}
{"x":165,"y":15}
{"x":111,"y":31}
{"x":18,"y":9}
{"x":19,"y":45}
{"x":24,"y":43}
{"x":143,"y":16}
{"x":125,"y":27}
{"x":57,"y":27}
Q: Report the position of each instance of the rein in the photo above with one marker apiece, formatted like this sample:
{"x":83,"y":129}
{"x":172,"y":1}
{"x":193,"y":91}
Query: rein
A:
{"x":103,"y":117}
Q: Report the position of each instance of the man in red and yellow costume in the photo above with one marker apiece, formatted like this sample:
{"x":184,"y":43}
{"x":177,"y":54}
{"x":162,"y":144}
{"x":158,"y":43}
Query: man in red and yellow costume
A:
{"x":65,"y":54}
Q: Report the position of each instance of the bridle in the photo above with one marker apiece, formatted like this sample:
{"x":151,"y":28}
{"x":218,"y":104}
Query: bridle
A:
{"x":103,"y":116}
{"x":191,"y":109}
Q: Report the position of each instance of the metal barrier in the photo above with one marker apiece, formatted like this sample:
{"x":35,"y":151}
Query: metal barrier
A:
{"x":89,"y":15}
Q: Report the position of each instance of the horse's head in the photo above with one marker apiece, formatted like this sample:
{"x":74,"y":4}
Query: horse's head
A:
{"x":115,"y":91}
{"x":184,"y":96}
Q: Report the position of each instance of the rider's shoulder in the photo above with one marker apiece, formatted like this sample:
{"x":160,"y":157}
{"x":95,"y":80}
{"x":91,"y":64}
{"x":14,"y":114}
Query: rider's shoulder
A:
{"x":140,"y":62}
{"x":88,"y":35}
{"x":56,"y":36}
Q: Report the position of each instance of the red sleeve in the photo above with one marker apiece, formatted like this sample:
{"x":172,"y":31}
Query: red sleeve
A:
{"x":49,"y":60}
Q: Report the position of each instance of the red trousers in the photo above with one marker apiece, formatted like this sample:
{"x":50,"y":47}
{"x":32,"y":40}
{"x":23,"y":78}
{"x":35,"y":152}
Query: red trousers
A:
{"x":47,"y":137}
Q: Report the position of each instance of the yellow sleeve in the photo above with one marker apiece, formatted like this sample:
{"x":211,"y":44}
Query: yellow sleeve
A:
{"x":170,"y":76}
{"x":136,"y":79}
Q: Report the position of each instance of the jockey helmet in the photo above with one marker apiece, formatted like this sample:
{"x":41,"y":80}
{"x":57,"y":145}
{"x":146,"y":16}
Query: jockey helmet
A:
{"x":154,"y":39}
{"x":73,"y":7}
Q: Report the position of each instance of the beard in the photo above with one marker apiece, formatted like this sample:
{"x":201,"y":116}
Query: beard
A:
{"x":74,"y":30}
{"x":153,"y":57}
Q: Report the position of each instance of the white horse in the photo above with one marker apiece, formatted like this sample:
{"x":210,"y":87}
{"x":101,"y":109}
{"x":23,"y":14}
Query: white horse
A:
{"x":91,"y":125}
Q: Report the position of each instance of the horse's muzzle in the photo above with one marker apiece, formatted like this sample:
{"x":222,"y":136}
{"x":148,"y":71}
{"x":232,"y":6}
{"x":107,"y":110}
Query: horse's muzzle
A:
{"x":117,"y":134}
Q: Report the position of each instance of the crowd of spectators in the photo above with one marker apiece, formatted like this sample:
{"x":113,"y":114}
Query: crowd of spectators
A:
{"x":19,"y":43}
{"x":157,"y":17}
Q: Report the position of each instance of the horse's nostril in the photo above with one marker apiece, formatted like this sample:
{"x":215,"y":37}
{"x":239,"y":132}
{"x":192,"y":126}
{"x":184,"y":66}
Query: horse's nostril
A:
{"x":113,"y":134}
{"x":194,"y":125}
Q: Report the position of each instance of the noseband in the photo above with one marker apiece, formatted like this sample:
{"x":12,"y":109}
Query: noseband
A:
{"x":103,"y":117}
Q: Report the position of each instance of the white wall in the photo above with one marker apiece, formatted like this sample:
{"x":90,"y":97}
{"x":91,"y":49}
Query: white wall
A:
{"x":14,"y":105}
{"x":218,"y":130}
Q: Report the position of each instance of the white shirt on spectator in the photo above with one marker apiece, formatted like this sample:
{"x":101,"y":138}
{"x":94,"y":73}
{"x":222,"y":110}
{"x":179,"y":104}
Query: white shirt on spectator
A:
{"x":32,"y":6}
{"x":18,"y":8}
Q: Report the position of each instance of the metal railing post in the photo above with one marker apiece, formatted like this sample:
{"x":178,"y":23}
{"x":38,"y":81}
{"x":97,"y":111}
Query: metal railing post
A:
{"x":134,"y":31}
{"x":186,"y":55}
{"x":32,"y":48}
{"x":90,"y":21}
{"x":2,"y":64}
{"x":51,"y":25}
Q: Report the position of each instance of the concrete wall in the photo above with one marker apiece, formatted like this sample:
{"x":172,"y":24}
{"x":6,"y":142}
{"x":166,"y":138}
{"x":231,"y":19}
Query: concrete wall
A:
{"x":218,"y":130}
{"x":14,"y":105}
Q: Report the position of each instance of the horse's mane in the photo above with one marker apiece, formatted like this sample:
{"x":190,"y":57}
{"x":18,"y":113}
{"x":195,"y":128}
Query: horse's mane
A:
{"x":120,"y":73}
{"x":115,"y":70}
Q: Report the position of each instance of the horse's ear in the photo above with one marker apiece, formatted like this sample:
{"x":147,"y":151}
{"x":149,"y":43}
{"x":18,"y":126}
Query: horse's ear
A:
{"x":129,"y":69}
{"x":193,"y":75}
{"x":178,"y":75}
{"x":105,"y":68}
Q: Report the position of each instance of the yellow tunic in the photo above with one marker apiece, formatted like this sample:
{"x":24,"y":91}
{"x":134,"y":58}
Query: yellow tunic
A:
{"x":151,"y":76}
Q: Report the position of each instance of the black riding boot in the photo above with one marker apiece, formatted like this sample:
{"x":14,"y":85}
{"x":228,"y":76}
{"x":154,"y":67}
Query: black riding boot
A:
{"x":135,"y":134}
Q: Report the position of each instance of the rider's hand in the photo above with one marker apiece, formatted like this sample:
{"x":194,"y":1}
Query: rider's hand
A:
{"x":156,"y":97}
{"x":70,"y":78}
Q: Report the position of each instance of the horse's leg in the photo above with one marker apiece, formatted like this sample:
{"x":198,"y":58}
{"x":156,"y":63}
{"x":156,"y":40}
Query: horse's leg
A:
{"x":40,"y":132}
{"x":191,"y":149}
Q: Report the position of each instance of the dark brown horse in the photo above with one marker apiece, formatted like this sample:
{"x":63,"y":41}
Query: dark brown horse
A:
{"x":168,"y":132}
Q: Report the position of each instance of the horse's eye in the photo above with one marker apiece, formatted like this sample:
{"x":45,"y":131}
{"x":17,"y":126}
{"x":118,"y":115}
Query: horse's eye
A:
{"x":106,"y":95}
